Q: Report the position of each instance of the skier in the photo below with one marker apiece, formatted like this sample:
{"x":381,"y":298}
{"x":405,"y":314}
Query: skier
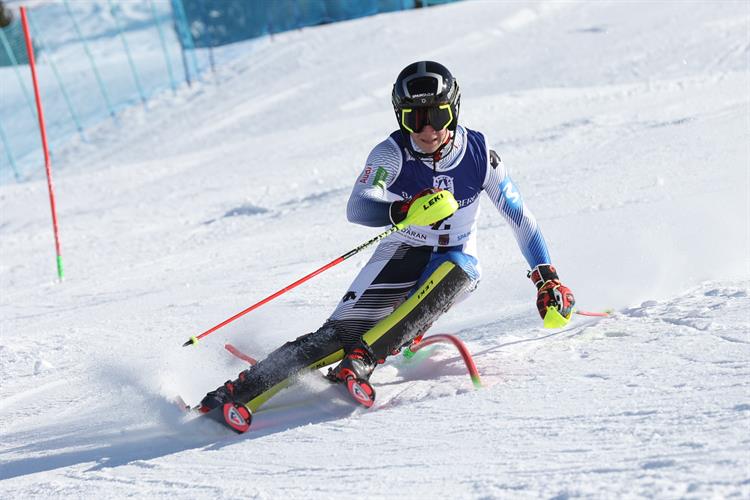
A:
{"x":415,"y":274}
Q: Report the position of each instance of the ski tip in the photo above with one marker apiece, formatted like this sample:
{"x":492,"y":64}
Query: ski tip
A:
{"x":361,"y":390}
{"x":235,"y":416}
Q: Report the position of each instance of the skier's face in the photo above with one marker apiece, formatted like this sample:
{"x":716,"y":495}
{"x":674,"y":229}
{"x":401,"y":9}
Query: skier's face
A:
{"x":429,"y":140}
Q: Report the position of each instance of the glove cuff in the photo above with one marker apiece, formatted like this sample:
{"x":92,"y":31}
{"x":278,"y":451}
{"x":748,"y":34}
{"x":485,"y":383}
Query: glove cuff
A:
{"x":542,"y":273}
{"x":397,"y":211}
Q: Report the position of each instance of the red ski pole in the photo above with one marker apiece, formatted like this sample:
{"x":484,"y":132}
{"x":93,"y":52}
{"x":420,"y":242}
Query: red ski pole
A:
{"x":393,"y":229}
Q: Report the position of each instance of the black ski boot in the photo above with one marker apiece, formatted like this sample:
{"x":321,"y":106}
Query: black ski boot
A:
{"x":354,"y":371}
{"x":358,"y":363}
{"x":218,"y":397}
{"x":223,"y":394}
{"x":220,"y":405}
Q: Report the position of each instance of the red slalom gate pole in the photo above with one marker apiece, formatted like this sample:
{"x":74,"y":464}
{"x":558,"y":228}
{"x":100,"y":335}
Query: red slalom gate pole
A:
{"x":244,"y":357}
{"x":604,"y":314}
{"x":462,"y":349}
{"x":43,"y":131}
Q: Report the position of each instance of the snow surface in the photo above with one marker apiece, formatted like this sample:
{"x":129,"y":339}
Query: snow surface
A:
{"x":626,"y":127}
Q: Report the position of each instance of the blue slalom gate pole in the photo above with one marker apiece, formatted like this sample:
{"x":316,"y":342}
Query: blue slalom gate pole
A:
{"x":208,"y":37}
{"x":186,"y":36}
{"x":179,"y":28}
{"x":172,"y":80}
{"x":99,"y":81}
{"x":127,"y":52}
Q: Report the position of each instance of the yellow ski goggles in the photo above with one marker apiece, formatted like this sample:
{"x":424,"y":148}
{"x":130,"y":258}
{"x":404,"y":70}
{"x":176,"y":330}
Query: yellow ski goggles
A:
{"x":415,"y":119}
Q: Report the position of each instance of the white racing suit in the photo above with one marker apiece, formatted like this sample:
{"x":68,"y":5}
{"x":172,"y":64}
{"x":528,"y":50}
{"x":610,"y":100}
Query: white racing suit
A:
{"x":414,"y":275}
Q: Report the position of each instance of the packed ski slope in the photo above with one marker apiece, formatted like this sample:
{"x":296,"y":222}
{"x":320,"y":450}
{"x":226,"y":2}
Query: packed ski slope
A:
{"x":626,"y":127}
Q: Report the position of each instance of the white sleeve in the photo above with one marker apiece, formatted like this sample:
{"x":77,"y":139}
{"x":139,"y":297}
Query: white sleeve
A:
{"x":507,"y":198}
{"x":370,"y":199}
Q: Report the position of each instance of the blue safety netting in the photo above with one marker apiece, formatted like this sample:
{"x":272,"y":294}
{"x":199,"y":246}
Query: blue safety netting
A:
{"x":219,"y":22}
{"x":13,"y":48}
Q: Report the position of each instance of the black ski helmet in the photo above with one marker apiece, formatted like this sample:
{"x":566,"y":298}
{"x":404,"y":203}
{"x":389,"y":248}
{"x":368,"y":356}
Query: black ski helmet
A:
{"x":425,"y":84}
